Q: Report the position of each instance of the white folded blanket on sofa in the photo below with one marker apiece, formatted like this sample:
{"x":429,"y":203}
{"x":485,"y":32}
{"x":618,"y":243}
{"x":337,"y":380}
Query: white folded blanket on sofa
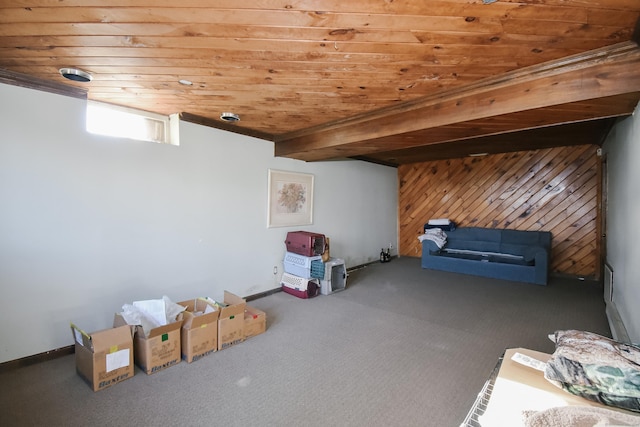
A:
{"x":439,"y":221}
{"x":436,"y":235}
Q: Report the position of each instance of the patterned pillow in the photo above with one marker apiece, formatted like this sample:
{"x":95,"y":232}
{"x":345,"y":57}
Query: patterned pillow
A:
{"x":596,"y":368}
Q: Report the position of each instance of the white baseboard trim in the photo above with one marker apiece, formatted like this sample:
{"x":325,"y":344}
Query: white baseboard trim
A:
{"x":618,"y":331}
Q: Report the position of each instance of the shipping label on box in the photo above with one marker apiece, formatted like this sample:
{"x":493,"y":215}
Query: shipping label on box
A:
{"x":255,"y":321}
{"x":104,"y":358}
{"x":199,"y":334}
{"x":159,"y":349}
{"x":231,"y":321}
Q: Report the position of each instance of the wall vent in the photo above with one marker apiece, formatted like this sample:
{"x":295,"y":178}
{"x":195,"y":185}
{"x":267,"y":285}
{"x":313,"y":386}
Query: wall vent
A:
{"x":608,"y":284}
{"x":618,"y":330}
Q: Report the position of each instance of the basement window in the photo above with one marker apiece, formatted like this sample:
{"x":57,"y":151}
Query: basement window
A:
{"x":113,"y":120}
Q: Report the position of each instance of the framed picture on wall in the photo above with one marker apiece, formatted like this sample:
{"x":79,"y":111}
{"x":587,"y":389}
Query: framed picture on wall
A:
{"x":290,"y":201}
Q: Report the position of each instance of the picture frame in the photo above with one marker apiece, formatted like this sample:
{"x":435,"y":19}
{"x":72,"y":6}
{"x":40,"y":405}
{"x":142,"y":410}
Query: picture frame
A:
{"x":290,"y":199}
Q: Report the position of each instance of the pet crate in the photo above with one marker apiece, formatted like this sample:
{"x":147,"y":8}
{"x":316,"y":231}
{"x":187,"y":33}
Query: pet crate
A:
{"x":335,"y":276}
{"x":305,"y":243}
{"x":300,"y":286}
{"x":302,"y":266}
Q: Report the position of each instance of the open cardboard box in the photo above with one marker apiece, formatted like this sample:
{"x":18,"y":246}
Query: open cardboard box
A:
{"x":255,"y":321}
{"x":231,"y":321}
{"x":199,"y":334}
{"x":105,"y":357}
{"x":158,"y":350}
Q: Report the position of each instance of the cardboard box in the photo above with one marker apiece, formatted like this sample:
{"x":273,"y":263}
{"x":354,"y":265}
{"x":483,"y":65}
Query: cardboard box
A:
{"x":104,"y":358}
{"x":199,"y":334}
{"x":231,"y":321}
{"x":255,"y":322}
{"x":158,"y":350}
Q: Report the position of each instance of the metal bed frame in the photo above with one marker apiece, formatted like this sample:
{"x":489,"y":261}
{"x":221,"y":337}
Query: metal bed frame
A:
{"x":480,"y":405}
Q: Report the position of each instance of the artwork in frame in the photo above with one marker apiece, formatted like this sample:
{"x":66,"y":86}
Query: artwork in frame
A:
{"x":290,"y":201}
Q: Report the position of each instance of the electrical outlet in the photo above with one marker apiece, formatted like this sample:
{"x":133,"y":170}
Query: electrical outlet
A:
{"x":390,"y":245}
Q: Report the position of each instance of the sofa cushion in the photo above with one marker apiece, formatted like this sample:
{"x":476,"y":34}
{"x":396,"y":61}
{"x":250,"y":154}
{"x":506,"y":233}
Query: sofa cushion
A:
{"x":473,"y":245}
{"x":519,"y":237}
{"x":475,"y":234}
{"x":531,"y":252}
{"x":529,"y":238}
{"x":513,"y":249}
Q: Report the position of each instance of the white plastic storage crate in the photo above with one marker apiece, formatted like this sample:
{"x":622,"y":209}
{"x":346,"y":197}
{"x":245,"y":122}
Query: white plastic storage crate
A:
{"x":335,"y":276}
{"x":299,"y":265}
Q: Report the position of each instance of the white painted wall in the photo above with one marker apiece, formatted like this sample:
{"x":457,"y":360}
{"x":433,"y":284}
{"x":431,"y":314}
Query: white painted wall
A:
{"x":88,"y":223}
{"x":623,"y":234}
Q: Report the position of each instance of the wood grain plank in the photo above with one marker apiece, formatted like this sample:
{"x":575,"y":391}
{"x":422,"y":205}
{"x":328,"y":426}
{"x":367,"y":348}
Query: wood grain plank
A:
{"x":548,"y":188}
{"x":249,"y":44}
{"x":512,"y":204}
{"x":248,"y":17}
{"x":188,"y":31}
{"x":504,"y":175}
{"x":557,"y":215}
{"x":364,"y":6}
{"x":429,"y":37}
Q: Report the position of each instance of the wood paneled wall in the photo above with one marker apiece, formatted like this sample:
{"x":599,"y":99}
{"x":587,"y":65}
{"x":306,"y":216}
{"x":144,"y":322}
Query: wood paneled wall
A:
{"x":555,"y":190}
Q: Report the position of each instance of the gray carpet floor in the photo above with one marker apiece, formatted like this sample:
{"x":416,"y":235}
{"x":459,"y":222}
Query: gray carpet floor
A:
{"x":400,"y":346}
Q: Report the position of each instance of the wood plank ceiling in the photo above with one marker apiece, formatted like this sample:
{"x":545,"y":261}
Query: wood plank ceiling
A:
{"x":393,"y":82}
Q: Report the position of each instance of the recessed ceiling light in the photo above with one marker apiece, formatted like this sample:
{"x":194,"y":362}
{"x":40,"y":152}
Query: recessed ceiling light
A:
{"x":76,"y":75}
{"x":230,"y":117}
{"x":185,"y":82}
{"x":478,"y":154}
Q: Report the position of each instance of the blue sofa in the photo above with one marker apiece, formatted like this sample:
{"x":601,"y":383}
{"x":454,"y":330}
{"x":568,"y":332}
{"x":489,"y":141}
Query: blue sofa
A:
{"x":498,"y":253}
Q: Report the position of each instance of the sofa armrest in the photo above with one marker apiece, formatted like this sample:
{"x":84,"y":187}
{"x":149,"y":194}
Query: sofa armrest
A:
{"x":429,"y":247}
{"x":542,"y":266}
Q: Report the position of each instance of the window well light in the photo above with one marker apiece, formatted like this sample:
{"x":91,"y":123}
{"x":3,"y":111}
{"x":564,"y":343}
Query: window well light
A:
{"x":122,"y":122}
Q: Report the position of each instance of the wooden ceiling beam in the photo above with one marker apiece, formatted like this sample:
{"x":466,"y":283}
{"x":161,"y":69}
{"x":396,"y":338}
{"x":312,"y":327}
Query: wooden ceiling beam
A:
{"x":462,"y":137}
{"x":579,"y":133}
{"x":600,"y":73}
{"x":636,"y":32}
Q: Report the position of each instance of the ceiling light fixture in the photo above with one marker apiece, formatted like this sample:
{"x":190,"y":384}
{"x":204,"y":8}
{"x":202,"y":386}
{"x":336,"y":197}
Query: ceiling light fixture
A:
{"x":478,"y":154}
{"x":76,"y":75}
{"x":185,"y":82}
{"x":230,"y":117}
